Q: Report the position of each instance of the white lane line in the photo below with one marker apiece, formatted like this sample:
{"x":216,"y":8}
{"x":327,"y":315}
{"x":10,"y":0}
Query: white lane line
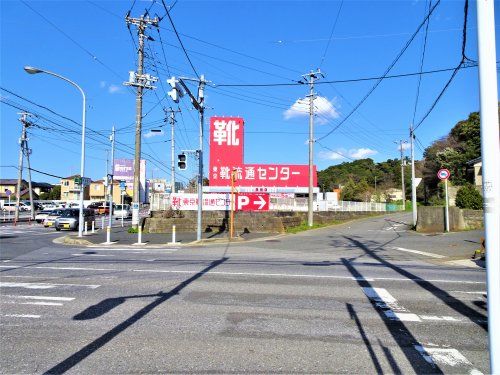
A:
{"x":92,"y":255}
{"x":460,"y":291}
{"x":21,"y":316}
{"x":45,"y":298}
{"x":440,"y":318}
{"x":135,"y":249}
{"x":32,"y":303}
{"x":5,"y":284}
{"x":432,"y":255}
{"x":252,"y":274}
{"x":445,"y":356}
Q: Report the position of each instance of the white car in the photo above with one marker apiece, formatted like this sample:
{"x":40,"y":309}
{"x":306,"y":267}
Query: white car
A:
{"x":42,"y":215}
{"x":122,"y":210}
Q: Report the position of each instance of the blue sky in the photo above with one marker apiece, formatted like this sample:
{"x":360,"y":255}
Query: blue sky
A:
{"x":230,"y":42}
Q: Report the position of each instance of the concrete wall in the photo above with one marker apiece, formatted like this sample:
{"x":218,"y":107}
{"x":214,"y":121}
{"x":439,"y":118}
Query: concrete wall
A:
{"x":267,"y":222}
{"x":432,"y":219}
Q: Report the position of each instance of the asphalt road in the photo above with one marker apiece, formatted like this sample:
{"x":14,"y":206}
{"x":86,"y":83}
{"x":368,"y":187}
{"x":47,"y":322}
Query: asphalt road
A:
{"x":364,"y":297}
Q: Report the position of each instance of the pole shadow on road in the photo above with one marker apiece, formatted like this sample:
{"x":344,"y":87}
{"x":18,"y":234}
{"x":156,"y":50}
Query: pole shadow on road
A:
{"x":107,"y":305}
{"x":401,"y":334}
{"x":452,"y":302}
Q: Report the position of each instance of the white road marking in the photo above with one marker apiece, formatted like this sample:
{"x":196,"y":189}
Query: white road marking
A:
{"x":93,"y":255}
{"x":135,"y":249}
{"x":419,"y":252}
{"x":33,"y":303}
{"x":386,"y":302}
{"x":4,"y":284}
{"x":445,"y":356}
{"x":252,"y":274}
{"x":45,"y":298}
{"x":21,"y":316}
{"x":440,"y":318}
{"x":460,"y":291}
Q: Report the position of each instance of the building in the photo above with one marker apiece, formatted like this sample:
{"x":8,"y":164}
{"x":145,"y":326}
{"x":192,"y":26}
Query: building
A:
{"x":11,"y":185}
{"x":70,"y":191}
{"x":393,"y":194}
{"x":98,"y":192}
{"x":41,"y":187}
{"x":475,"y":172}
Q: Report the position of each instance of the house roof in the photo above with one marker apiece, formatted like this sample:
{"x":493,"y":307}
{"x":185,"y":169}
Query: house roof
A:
{"x":11,"y":181}
{"x":41,"y":185}
{"x":71,"y":177}
{"x":475,"y":161}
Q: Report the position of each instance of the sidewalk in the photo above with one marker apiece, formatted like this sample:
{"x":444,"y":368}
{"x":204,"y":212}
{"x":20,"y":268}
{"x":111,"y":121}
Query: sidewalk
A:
{"x":120,"y":236}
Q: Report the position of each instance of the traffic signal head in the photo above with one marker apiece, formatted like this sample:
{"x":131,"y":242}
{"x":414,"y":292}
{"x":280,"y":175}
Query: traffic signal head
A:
{"x":176,"y":93}
{"x":182,"y":161}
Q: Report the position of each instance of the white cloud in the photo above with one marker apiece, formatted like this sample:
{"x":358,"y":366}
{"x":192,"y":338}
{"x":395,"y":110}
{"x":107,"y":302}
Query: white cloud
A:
{"x":113,"y":89}
{"x":323,"y":109}
{"x":342,"y":154}
{"x":361,"y":153}
{"x":152,"y":134}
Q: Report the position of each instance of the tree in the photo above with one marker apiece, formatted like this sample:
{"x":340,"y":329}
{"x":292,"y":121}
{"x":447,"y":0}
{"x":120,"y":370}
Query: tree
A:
{"x":469,"y":197}
{"x":54,"y":194}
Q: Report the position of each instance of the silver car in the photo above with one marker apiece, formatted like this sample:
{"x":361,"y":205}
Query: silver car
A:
{"x":50,"y":219}
{"x":70,"y":217}
{"x":122,"y":211}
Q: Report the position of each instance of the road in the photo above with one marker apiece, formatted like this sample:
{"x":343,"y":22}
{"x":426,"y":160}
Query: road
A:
{"x":363,"y":297}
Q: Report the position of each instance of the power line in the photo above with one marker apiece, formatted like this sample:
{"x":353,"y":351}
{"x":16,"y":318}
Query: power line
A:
{"x":179,"y":39}
{"x":398,"y":56}
{"x":331,"y":34}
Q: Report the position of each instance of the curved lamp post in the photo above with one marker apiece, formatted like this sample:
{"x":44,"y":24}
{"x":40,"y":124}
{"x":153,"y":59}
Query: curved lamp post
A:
{"x":32,"y":70}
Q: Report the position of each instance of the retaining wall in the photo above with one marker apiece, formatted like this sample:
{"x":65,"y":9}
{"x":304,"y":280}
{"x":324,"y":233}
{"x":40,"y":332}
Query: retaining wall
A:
{"x":218,"y":221}
{"x":432,"y":219}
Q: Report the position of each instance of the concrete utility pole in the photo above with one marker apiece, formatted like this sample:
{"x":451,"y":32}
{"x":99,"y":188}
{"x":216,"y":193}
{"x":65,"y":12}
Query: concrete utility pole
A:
{"x":401,"y":142}
{"x":310,"y":77}
{"x":141,"y":81}
{"x":413,"y":184}
{"x":110,"y":186}
{"x":490,"y":151}
{"x":199,"y":104}
{"x":171,"y":113}
{"x":22,"y":146}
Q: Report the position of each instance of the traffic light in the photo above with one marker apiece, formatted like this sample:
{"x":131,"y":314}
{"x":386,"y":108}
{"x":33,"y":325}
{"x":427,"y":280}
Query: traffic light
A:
{"x":176,"y":93}
{"x":182,"y":161}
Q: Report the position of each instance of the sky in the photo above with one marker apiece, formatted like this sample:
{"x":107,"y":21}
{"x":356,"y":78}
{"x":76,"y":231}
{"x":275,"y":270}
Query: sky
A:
{"x":232,"y":43}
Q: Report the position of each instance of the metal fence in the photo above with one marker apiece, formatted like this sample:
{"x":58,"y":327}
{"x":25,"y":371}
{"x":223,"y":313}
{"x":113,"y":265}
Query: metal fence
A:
{"x":161,"y":202}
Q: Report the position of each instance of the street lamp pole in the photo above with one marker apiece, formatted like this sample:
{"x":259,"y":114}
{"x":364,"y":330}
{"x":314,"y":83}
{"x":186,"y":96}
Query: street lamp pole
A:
{"x":32,"y":70}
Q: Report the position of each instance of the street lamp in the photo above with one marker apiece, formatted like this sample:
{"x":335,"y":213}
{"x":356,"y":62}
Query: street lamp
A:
{"x":32,"y":70}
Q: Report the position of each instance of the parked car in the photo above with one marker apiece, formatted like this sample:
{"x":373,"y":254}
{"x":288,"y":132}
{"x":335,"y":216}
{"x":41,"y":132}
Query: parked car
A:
{"x":49,"y":221}
{"x":12,"y":206}
{"x":42,"y":215}
{"x":49,"y":206}
{"x":69,"y":218}
{"x":104,"y":209}
{"x":95,"y":207}
{"x":122,"y":210}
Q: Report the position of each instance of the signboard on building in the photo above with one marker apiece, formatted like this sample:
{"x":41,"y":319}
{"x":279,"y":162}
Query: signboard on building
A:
{"x":123,"y":169}
{"x":226,"y":155}
{"x":221,"y":202}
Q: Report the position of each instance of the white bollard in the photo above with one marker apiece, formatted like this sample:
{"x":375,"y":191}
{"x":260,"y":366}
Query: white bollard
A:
{"x":173,"y":234}
{"x":108,"y":234}
{"x":102,"y":224}
{"x":86,"y":228}
{"x":139,"y":234}
{"x":93,"y":226}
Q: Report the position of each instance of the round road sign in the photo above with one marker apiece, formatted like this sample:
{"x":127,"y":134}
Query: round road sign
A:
{"x":8,"y":192}
{"x":443,"y":174}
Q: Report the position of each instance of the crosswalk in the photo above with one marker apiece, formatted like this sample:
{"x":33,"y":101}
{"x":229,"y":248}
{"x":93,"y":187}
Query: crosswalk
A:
{"x":16,"y":305}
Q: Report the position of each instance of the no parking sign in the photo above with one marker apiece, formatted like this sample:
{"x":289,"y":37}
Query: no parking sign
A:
{"x":443,"y":174}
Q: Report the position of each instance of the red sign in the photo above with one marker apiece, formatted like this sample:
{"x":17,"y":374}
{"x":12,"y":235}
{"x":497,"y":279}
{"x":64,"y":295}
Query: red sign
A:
{"x":443,"y":174}
{"x":226,"y":156}
{"x":252,"y":202}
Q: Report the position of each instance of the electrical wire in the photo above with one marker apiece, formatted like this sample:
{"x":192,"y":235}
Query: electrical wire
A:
{"x":331,"y":34}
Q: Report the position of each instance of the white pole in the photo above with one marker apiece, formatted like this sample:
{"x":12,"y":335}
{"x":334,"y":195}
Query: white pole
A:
{"x":108,"y":234}
{"x":139,"y":234}
{"x":110,"y":184}
{"x":86,"y":228}
{"x":413,"y":184}
{"x":121,"y":193}
{"x":490,"y":151}
{"x":173,"y":234}
{"x":447,"y":213}
{"x":93,"y":226}
{"x":102,"y":219}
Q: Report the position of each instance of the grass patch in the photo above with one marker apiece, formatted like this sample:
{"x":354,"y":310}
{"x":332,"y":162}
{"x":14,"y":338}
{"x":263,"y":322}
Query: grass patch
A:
{"x":133,"y":230}
{"x":304,"y":226}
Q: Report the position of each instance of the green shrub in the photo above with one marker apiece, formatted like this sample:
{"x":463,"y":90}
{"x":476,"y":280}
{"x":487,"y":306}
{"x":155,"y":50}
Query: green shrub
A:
{"x":133,"y":230}
{"x":469,"y":197}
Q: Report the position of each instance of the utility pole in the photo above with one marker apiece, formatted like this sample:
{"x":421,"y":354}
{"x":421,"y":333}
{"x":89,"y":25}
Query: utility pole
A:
{"x":413,"y":183}
{"x":310,"y":77}
{"x":27,"y":153}
{"x":490,"y":151}
{"x":23,"y":150}
{"x":172,"y":145}
{"x":401,"y":142}
{"x":141,"y":81}
{"x":110,"y":186}
{"x":199,"y":103}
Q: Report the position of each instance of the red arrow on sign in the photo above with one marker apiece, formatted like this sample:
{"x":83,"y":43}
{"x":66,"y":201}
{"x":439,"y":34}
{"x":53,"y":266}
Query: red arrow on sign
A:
{"x":252,"y":202}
